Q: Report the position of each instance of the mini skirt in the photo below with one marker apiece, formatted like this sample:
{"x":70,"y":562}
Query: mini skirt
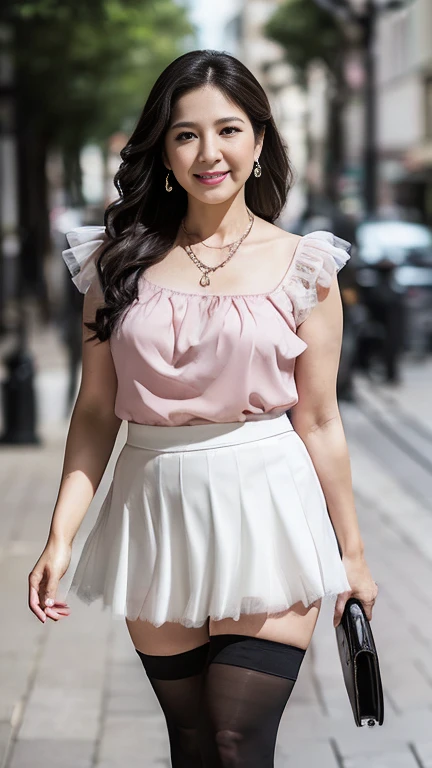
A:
{"x":211,"y":520}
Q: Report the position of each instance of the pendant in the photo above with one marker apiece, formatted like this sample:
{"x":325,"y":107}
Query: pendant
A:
{"x":205,"y":280}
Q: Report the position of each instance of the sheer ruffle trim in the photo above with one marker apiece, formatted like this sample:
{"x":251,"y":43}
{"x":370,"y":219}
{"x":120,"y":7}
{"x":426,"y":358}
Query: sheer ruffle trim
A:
{"x":79,"y":258}
{"x":320,"y":255}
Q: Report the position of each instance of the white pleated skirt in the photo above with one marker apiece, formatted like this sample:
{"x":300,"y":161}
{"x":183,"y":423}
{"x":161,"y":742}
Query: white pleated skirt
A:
{"x":211,"y":520}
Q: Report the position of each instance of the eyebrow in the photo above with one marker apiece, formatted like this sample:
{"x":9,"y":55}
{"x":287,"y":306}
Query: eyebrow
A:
{"x":185,"y":124}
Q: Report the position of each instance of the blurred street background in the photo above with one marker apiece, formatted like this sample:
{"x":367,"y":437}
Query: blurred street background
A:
{"x":350,"y":84}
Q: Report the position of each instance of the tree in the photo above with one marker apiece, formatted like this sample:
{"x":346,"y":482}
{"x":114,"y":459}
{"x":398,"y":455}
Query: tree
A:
{"x":307,"y":33}
{"x":83,"y":71}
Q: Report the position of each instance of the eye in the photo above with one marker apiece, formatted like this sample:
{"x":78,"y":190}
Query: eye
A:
{"x":232,"y":128}
{"x":185,"y":133}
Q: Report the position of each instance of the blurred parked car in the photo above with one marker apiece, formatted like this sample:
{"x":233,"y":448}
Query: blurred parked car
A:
{"x":406,"y":249}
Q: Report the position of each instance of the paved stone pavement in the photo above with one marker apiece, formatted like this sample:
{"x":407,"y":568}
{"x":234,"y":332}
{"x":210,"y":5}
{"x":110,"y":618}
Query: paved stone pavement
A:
{"x":74,"y":695}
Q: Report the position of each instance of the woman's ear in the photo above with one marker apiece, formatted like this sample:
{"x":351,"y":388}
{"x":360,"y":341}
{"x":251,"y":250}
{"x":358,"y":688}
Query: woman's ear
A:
{"x":260,"y":142}
{"x":165,"y":161}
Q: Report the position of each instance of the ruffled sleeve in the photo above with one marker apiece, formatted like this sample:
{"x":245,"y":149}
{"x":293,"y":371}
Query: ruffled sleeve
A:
{"x":319,"y":256}
{"x":80,"y":257}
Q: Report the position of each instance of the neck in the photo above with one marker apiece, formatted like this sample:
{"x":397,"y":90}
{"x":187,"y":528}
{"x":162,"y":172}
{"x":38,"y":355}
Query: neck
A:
{"x":220,"y":223}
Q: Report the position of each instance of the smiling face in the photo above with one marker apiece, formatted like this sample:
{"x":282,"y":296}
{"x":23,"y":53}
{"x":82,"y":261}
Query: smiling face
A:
{"x":209,"y":135}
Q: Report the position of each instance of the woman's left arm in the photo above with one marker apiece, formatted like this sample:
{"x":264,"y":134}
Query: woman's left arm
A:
{"x":317,"y":420}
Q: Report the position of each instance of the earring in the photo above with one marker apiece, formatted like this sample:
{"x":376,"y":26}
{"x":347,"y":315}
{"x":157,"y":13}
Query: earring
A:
{"x":167,"y":186}
{"x":257,"y":169}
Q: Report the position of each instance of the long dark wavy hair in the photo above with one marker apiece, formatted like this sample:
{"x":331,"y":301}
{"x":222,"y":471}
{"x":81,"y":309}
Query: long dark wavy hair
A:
{"x":142,"y":224}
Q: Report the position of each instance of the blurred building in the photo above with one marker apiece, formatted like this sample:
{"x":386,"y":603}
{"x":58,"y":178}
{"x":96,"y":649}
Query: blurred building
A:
{"x":404,"y":113}
{"x":404,"y":60}
{"x":244,"y":38}
{"x":8,"y":177}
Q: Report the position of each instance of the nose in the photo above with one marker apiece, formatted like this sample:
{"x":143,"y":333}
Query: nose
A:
{"x":209,"y":150}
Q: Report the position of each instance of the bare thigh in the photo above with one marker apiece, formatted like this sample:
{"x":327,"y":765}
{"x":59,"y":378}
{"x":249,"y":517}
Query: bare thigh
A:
{"x":294,"y":626}
{"x":166,"y":640}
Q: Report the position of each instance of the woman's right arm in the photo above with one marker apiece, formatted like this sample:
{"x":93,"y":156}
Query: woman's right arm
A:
{"x":91,"y":437}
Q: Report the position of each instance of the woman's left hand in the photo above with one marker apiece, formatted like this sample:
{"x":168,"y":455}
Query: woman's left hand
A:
{"x":363,"y":587}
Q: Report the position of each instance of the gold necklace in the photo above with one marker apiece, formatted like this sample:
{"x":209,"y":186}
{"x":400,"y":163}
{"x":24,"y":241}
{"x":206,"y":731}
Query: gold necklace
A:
{"x":216,"y":247}
{"x":233,"y":247}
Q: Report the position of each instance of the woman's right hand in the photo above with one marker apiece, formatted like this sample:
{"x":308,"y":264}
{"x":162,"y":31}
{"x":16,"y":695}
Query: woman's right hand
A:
{"x":44,"y":579}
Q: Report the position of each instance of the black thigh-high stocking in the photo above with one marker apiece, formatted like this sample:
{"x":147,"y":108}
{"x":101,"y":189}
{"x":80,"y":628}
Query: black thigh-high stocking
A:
{"x":177,"y":681}
{"x":248,"y":683}
{"x":223,"y":701}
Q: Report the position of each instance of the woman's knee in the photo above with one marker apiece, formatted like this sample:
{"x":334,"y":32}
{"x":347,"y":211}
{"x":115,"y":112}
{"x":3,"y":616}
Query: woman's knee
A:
{"x":229,"y":743}
{"x":185,"y":741}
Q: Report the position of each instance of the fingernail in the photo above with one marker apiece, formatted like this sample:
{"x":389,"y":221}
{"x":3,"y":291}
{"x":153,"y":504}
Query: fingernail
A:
{"x":49,"y":602}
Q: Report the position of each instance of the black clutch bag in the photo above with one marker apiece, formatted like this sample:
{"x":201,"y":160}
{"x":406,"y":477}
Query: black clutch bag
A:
{"x":360,"y":665}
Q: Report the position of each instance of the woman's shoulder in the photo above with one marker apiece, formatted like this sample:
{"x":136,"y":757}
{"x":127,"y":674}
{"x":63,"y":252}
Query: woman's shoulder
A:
{"x":273,"y":233}
{"x":318,"y":257}
{"x":326,"y":246}
{"x":80,"y":258}
{"x":281,"y":243}
{"x":320,"y":252}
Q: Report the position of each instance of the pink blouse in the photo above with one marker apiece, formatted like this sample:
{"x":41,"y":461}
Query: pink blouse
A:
{"x":185,"y":358}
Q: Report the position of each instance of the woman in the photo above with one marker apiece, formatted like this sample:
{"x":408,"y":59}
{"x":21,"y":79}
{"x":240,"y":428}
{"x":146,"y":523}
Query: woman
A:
{"x":214,"y":541}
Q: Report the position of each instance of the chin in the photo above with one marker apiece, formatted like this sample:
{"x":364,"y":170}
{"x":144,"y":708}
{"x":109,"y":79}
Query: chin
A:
{"x":214,"y":196}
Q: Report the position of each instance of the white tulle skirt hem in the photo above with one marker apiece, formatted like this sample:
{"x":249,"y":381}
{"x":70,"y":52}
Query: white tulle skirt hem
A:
{"x":211,"y":521}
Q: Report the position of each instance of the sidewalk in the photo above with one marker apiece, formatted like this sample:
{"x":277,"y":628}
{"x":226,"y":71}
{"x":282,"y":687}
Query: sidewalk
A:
{"x":74,"y":695}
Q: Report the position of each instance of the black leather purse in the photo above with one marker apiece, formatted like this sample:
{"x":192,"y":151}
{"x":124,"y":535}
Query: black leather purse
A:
{"x":360,"y":665}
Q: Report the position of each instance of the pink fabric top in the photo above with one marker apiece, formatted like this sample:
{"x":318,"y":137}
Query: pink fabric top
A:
{"x":184,"y":358}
